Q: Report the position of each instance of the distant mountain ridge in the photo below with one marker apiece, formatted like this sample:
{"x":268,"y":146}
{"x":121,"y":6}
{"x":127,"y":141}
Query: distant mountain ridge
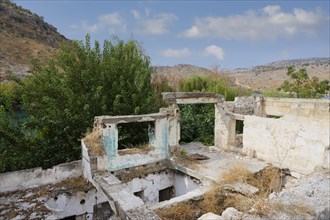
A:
{"x":181,"y":70}
{"x":272,"y":75}
{"x":300,"y":62}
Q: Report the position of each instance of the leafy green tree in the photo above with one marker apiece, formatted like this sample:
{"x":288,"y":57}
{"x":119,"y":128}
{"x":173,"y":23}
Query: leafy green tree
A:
{"x":304,"y":87}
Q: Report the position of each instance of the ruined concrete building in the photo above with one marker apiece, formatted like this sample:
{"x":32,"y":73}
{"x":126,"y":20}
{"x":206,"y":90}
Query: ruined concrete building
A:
{"x":284,"y":142}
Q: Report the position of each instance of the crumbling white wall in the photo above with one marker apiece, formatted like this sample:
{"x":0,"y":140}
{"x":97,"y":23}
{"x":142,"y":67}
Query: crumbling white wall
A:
{"x":184,"y":183}
{"x":298,"y":143}
{"x":79,"y":203}
{"x":150,"y":185}
{"x":24,"y":179}
{"x":153,"y":183}
{"x":298,"y":140}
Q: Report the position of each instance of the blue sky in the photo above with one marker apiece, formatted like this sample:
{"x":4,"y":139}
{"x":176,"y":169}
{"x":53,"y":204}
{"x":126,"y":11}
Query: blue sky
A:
{"x":227,"y":34}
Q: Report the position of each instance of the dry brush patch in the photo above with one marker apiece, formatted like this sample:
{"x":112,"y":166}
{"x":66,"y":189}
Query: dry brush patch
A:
{"x":93,"y":141}
{"x":267,"y":181}
{"x":182,"y":211}
{"x":139,"y":149}
{"x":218,"y":198}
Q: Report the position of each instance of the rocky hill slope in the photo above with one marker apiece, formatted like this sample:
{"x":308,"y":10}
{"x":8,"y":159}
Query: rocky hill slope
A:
{"x":24,"y":35}
{"x":175,"y":74}
{"x":182,"y":70}
{"x":272,"y":75}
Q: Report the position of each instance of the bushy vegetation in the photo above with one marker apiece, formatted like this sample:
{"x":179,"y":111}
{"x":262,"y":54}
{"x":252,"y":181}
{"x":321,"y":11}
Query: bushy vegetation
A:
{"x":300,"y":85}
{"x":62,"y":98}
{"x":212,"y":83}
{"x":197,"y":121}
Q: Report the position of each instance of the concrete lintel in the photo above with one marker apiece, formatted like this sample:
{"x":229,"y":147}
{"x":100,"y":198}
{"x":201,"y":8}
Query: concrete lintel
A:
{"x":239,"y":116}
{"x":200,"y":100}
{"x":192,"y":97}
{"x":127,"y":118}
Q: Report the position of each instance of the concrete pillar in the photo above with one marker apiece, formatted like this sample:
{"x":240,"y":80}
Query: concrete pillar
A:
{"x":224,"y":128}
{"x":110,"y":140}
{"x":174,"y":126}
{"x":173,"y":113}
{"x":151,"y":135}
{"x":162,"y":136}
{"x":258,"y":108}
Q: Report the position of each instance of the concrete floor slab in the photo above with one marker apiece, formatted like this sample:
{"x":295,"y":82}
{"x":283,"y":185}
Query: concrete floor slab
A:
{"x":219,"y":162}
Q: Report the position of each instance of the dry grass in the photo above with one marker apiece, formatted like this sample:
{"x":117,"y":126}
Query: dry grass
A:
{"x":94,"y":143}
{"x":217,"y":199}
{"x":238,"y":173}
{"x":264,"y":207}
{"x":140,"y":149}
{"x":267,"y":181}
{"x":181,"y":211}
{"x":213,"y":200}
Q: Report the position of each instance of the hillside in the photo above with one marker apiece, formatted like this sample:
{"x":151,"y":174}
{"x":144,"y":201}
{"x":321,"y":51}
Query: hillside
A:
{"x":24,"y":35}
{"x":272,"y":75}
{"x":174,"y":74}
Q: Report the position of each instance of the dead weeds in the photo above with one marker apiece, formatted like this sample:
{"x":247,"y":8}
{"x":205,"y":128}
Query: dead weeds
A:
{"x":180,"y":211}
{"x":217,"y":199}
{"x":140,"y":149}
{"x":237,"y":173}
{"x":213,"y":200}
{"x":93,"y":141}
{"x":268,"y":180}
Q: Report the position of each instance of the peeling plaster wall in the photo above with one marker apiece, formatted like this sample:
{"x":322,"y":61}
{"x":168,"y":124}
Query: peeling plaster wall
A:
{"x":79,"y":203}
{"x":298,"y":143}
{"x":151,"y":184}
{"x":25,"y":179}
{"x":184,"y":183}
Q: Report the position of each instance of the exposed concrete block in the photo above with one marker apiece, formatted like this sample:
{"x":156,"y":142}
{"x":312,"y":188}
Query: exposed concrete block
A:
{"x":210,"y":216}
{"x":244,"y":105}
{"x":231,"y":214}
{"x":142,"y":213}
{"x":242,"y":188}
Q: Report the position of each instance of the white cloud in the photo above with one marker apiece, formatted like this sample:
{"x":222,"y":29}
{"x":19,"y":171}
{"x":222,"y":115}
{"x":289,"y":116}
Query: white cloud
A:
{"x":153,"y":25}
{"x":110,"y":22}
{"x":214,"y":51}
{"x":269,"y":23}
{"x":110,"y":19}
{"x":178,"y":53}
{"x":136,"y":14}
